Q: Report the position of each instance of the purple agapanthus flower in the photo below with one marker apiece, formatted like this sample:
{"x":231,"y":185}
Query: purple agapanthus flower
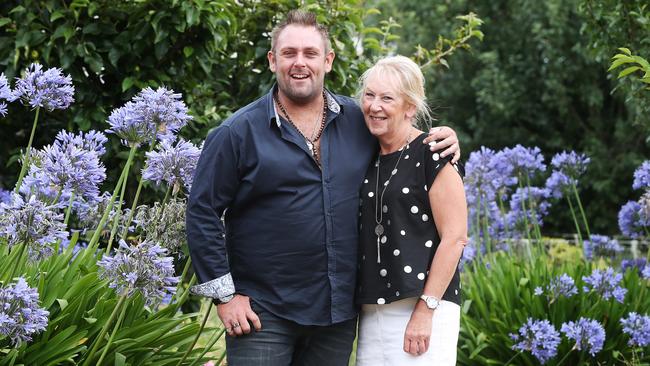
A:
{"x":143,"y":267}
{"x":174,"y":164}
{"x":65,"y":167}
{"x":638,"y":263}
{"x":562,"y":285}
{"x":567,"y":168}
{"x":90,"y":141}
{"x":588,"y":334}
{"x":49,"y":89}
{"x":33,"y":223}
{"x":606,"y":283}
{"x":645,"y":273}
{"x":638,"y":328}
{"x":5,"y":94}
{"x":151,"y":113}
{"x":601,"y":246}
{"x":642,"y":176}
{"x":525,"y":161}
{"x":538,"y":291}
{"x":538,"y":337}
{"x":631,"y":220}
{"x":534,"y":199}
{"x":5,"y":196}
{"x":20,"y":315}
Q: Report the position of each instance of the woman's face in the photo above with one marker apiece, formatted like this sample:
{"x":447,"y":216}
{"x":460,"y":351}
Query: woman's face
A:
{"x":385,"y":110}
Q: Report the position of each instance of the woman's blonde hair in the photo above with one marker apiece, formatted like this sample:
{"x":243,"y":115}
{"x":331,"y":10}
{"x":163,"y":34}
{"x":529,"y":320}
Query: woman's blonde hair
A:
{"x":410,"y":83}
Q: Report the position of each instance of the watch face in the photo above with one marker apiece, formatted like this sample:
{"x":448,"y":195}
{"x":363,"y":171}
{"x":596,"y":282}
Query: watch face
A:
{"x":432,"y":303}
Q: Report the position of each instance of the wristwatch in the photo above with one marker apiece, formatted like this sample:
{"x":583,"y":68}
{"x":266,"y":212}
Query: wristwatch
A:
{"x":431,"y":301}
{"x":225,"y":299}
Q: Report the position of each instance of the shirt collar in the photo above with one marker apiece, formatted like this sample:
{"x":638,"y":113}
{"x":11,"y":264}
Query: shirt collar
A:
{"x":332,"y":104}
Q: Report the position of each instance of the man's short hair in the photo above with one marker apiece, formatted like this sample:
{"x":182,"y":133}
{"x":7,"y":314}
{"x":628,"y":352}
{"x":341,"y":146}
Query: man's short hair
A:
{"x":303,"y":18}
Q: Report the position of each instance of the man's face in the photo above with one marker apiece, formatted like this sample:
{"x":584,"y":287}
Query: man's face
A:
{"x":300,"y":63}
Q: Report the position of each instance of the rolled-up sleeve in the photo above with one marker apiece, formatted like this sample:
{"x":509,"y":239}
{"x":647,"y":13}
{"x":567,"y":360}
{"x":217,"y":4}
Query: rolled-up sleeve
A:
{"x":215,"y":185}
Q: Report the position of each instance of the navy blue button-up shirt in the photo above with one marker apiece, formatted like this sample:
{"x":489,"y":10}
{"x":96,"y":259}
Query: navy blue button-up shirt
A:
{"x":291,"y":229}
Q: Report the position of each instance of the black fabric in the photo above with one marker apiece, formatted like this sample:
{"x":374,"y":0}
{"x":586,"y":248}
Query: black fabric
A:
{"x":410,"y":237}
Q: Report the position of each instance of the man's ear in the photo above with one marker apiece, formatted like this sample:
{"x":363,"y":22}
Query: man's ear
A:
{"x":329,"y":59}
{"x":271,"y":57}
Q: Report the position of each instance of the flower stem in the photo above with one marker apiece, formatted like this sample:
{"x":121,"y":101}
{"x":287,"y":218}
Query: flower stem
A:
{"x":564,"y":358}
{"x":512,"y":358}
{"x":102,"y":333}
{"x":575,"y":220}
{"x":23,"y":169}
{"x":198,"y":334}
{"x":115,"y":328}
{"x":69,"y":209}
{"x":118,"y":215}
{"x":137,"y":196}
{"x":95,"y":238}
{"x":582,"y":211}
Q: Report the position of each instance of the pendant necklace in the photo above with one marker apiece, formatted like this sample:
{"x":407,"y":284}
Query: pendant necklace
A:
{"x":310,"y":141}
{"x":379,"y":198}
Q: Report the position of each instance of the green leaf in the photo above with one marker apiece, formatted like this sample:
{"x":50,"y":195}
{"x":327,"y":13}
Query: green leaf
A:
{"x":90,"y":320}
{"x":127,"y":83}
{"x":120,"y":359}
{"x":628,"y":71}
{"x":63,"y":303}
{"x":625,"y":51}
{"x":620,"y":61}
{"x":443,"y":62}
{"x":56,"y":15}
{"x":523,"y":281}
{"x":188,"y":51}
{"x":4,"y":21}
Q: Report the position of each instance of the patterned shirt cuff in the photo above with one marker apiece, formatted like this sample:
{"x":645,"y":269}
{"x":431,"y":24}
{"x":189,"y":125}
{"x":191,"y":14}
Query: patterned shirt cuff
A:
{"x":219,"y":288}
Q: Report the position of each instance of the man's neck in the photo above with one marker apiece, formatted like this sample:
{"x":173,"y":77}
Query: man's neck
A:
{"x":301,"y":108}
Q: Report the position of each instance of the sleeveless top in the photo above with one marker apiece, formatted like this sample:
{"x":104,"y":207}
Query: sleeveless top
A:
{"x":410,"y":238}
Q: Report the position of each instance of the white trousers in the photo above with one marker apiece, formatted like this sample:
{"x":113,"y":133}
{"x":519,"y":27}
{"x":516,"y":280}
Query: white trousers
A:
{"x":381,"y":335}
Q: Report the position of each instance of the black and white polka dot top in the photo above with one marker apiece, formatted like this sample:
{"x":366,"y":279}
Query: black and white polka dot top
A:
{"x":400,"y":267}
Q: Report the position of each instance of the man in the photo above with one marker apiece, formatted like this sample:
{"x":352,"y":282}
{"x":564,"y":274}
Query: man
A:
{"x":284,"y":172}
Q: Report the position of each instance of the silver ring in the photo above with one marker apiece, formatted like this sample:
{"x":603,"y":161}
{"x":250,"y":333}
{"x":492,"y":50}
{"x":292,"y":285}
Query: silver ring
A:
{"x":235,"y":325}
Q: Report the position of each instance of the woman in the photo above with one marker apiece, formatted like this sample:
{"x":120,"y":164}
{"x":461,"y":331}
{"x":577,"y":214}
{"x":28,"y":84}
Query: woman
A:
{"x":413,"y":229}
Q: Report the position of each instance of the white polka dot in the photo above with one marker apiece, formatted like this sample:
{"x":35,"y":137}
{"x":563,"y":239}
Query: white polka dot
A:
{"x":456,"y":167}
{"x":408,"y":269}
{"x":414,"y":209}
{"x":363,"y":258}
{"x":396,"y":252}
{"x":371,"y":194}
{"x":403,"y":232}
{"x":406,"y":157}
{"x":396,"y":293}
{"x":381,"y":301}
{"x":394,"y":172}
{"x":437,"y":166}
{"x":420,"y":276}
{"x":365,"y":181}
{"x":386,"y":182}
{"x":436,"y":156}
{"x":385,"y":208}
{"x":425,"y":217}
{"x":428,"y":244}
{"x":418,"y":164}
{"x":388,"y":222}
{"x":384,"y":239}
{"x":425,"y":187}
{"x":405,"y":190}
{"x":388,"y":285}
{"x":383,"y":272}
{"x":456,"y":292}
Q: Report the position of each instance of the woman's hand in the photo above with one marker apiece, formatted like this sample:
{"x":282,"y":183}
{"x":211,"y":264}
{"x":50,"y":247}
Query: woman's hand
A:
{"x":447,"y":142}
{"x":418,"y":330}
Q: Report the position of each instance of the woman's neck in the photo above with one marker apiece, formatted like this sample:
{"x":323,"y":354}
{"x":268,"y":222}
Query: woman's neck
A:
{"x":389,"y":143}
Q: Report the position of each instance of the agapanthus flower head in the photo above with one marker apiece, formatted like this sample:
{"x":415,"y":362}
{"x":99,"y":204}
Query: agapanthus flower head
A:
{"x":90,"y":212}
{"x":6,"y":94}
{"x":163,"y":224}
{"x":33,"y":223}
{"x":48,"y":89}
{"x":89,"y":141}
{"x":642,"y":176}
{"x":20,"y":315}
{"x":638,"y":328}
{"x":645,"y":273}
{"x":536,"y":204}
{"x":638,"y":263}
{"x":164,"y":108}
{"x":606,"y":283}
{"x":562,"y":285}
{"x":567,"y":168}
{"x":143,"y":267}
{"x":526,"y":161}
{"x":65,"y":167}
{"x":588,"y":334}
{"x":538,"y":291}
{"x":601,"y":246}
{"x":632,"y":221}
{"x":130,"y":125}
{"x":539,"y":337}
{"x":173,"y":164}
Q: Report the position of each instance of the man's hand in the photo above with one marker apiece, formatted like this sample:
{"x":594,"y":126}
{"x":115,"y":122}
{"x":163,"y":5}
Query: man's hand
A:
{"x":418,"y":331}
{"x":448,"y":145}
{"x":235,"y":315}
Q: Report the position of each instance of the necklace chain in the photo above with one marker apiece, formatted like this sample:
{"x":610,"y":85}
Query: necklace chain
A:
{"x":379,"y":198}
{"x":311,"y":142}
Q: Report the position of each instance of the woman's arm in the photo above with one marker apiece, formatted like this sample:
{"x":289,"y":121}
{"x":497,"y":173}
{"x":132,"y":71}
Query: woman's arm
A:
{"x":449,"y":208}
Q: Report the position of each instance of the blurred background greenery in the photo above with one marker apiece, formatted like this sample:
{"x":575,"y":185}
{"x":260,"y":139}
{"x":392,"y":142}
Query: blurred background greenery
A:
{"x":539,"y":76}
